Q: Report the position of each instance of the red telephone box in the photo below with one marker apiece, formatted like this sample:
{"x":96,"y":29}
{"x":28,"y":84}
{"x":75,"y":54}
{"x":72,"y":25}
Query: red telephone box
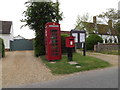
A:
{"x":70,"y":42}
{"x":52,"y":41}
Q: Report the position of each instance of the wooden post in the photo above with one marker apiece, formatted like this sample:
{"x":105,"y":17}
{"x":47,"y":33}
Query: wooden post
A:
{"x":84,"y":49}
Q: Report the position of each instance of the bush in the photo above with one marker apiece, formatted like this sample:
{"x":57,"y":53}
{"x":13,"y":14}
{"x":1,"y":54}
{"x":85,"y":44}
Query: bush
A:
{"x":2,"y":48}
{"x":92,"y":40}
{"x":64,"y":49}
{"x":39,"y":46}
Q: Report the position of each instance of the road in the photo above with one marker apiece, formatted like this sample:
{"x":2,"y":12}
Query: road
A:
{"x":102,"y":78}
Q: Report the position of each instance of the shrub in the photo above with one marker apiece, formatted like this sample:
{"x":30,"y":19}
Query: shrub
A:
{"x":39,"y":47}
{"x":92,"y":40}
{"x":63,"y":36}
{"x":2,"y":48}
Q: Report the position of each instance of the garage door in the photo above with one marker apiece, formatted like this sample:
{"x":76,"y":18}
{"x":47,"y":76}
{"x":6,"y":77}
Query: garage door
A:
{"x":21,"y":44}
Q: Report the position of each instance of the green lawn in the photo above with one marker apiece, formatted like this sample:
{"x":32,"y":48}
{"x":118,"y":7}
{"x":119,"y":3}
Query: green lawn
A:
{"x":86,"y":62}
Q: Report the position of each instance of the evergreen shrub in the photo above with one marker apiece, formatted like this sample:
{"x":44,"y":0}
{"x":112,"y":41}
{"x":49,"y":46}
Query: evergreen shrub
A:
{"x":92,"y":40}
{"x":2,"y":48}
{"x":63,"y":41}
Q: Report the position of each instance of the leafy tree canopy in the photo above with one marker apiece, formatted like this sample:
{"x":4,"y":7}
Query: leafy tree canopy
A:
{"x":109,"y":14}
{"x":80,"y":19}
{"x":36,"y":16}
{"x":38,"y":13}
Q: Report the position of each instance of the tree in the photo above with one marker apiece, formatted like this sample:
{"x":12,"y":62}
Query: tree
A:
{"x":81,"y":19}
{"x":91,"y":40}
{"x":110,"y":14}
{"x":36,"y":16}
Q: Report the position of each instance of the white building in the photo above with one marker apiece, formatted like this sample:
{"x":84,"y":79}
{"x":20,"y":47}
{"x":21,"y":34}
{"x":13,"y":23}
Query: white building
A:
{"x":6,"y":32}
{"x":107,"y":32}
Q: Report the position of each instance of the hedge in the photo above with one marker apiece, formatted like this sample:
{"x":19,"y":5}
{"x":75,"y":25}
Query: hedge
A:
{"x":63,"y":40}
{"x":92,"y":40}
{"x":2,"y":48}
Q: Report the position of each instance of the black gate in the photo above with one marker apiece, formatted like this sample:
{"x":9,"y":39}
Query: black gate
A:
{"x":21,"y":44}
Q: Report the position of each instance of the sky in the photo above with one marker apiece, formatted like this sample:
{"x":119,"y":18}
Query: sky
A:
{"x":11,"y":10}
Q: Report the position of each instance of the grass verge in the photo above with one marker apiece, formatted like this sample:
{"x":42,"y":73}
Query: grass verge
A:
{"x":86,"y":62}
{"x":111,"y":52}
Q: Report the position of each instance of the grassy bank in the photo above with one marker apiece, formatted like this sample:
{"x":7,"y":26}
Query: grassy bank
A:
{"x":86,"y":62}
{"x":112,"y":52}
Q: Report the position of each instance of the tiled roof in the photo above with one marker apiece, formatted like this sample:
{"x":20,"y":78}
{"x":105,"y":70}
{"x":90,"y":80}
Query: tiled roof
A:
{"x":102,"y":28}
{"x":65,"y":32}
{"x":5,"y":26}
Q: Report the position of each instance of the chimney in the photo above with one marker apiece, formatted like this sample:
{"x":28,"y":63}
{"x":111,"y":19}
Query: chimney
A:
{"x":94,"y":20}
{"x":110,"y":23}
{"x":95,"y":25}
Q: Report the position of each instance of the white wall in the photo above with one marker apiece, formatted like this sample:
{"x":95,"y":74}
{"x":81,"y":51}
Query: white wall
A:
{"x":6,"y":38}
{"x":11,"y":33}
{"x":108,"y":37}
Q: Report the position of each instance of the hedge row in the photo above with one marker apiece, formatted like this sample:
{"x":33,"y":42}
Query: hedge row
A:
{"x":63,"y":41}
{"x":2,"y":48}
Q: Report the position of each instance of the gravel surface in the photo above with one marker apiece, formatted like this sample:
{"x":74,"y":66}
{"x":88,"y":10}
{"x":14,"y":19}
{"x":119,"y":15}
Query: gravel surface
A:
{"x":21,"y":67}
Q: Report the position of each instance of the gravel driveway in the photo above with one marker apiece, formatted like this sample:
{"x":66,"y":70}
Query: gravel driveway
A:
{"x":21,"y":67}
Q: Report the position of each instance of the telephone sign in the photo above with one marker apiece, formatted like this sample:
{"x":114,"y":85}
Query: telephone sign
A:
{"x":53,"y":25}
{"x":52,"y":41}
